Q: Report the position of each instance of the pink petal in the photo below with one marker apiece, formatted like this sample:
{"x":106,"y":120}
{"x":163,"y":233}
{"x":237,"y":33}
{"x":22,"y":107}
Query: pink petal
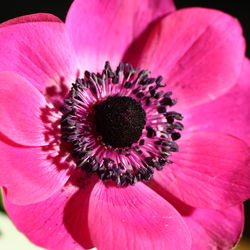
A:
{"x":40,"y":17}
{"x":43,"y":222}
{"x":229,"y":113}
{"x":102,"y":30}
{"x":192,"y":50}
{"x":216,"y":229}
{"x":21,"y":108}
{"x":134,"y":217}
{"x":210,"y":171}
{"x":210,"y":228}
{"x":38,"y":51}
{"x":30,"y":174}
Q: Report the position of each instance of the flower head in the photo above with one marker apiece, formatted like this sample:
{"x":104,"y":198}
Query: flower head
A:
{"x":94,"y":152}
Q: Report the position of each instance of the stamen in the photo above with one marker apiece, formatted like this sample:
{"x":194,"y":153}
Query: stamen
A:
{"x":119,"y":124}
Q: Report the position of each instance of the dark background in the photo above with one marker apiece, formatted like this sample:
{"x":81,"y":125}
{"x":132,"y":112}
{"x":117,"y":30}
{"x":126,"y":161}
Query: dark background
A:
{"x":239,"y":9}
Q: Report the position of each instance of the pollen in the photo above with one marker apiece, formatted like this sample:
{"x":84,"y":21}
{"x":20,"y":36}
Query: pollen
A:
{"x":119,"y":120}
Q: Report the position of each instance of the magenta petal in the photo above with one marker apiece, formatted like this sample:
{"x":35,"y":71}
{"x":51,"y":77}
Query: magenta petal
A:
{"x":43,"y":222}
{"x":20,"y":109}
{"x":134,"y":218}
{"x":38,"y":51}
{"x":28,"y":174}
{"x":192,"y":50}
{"x":229,"y":113}
{"x":210,"y":171}
{"x":210,"y":228}
{"x":40,"y":17}
{"x":216,"y":229}
{"x":102,"y":30}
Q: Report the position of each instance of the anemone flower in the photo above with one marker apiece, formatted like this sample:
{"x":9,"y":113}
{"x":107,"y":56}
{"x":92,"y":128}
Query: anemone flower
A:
{"x":125,"y":127}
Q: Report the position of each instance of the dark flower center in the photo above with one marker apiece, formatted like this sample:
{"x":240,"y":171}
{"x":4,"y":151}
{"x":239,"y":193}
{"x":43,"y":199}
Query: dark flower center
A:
{"x":121,"y":124}
{"x":119,"y":120}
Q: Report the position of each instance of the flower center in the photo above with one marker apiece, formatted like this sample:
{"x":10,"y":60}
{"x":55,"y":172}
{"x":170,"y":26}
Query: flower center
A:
{"x":120,"y":124}
{"x":119,"y":120}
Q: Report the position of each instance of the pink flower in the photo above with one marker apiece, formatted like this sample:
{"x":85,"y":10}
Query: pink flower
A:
{"x":120,"y":125}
